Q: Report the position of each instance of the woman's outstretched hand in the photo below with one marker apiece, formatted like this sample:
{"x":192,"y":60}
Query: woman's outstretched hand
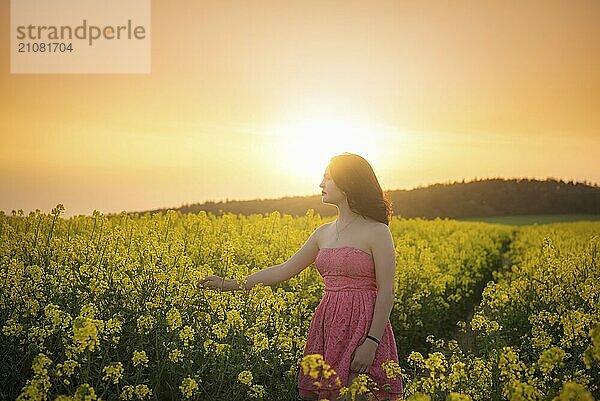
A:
{"x":215,"y":283}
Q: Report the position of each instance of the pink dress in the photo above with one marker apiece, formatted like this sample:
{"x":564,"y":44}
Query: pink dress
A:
{"x":342,"y":321}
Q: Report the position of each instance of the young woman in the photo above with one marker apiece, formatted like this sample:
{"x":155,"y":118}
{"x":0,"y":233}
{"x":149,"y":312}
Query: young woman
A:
{"x":355,"y":255}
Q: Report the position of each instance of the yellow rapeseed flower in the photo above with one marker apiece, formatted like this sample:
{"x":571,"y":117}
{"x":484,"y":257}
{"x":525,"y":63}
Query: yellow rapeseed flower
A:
{"x":186,"y":335}
{"x":142,"y":391}
{"x":127,"y":392}
{"x":145,"y":323}
{"x":391,"y":369}
{"x":40,"y":364}
{"x":256,"y":391}
{"x":458,"y":397}
{"x":37,"y":388}
{"x":67,"y":368}
{"x":113,"y":371}
{"x":85,"y":333}
{"x":112,"y":329}
{"x":188,"y":387}
{"x":314,"y":365}
{"x":85,"y":392}
{"x":175,"y":355}
{"x":260,"y":342}
{"x":139,"y":358}
{"x":220,"y":330}
{"x":173,"y":319}
{"x":245,"y":377}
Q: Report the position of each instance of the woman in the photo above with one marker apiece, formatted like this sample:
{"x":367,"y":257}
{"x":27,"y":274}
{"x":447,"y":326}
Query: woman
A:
{"x":355,"y":255}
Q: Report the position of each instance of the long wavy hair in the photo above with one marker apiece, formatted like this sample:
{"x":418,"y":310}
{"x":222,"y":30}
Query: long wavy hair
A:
{"x":356,"y":178}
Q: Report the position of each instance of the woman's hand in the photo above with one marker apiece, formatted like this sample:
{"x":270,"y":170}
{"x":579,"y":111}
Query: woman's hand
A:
{"x":215,"y":283}
{"x":363,"y":357}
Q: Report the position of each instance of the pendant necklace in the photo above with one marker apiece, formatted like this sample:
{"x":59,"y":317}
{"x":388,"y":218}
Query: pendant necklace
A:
{"x":339,"y":231}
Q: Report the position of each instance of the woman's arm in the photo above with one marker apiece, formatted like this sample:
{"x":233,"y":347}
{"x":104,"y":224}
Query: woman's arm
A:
{"x":272,"y":275}
{"x":384,"y":256}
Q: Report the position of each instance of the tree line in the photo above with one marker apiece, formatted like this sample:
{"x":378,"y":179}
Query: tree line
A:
{"x":477,"y":198}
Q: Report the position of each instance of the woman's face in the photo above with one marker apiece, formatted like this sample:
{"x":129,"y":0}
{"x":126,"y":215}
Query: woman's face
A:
{"x":331,"y":193}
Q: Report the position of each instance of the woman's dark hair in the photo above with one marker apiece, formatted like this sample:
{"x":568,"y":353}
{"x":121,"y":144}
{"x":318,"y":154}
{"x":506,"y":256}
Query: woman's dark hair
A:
{"x":356,"y":178}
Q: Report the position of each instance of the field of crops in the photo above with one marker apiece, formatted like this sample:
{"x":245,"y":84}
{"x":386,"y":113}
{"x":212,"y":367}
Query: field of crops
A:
{"x":106,"y":307}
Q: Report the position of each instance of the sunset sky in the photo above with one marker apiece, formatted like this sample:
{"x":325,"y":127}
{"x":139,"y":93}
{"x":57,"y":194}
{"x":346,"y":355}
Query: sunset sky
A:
{"x":250,"y":99}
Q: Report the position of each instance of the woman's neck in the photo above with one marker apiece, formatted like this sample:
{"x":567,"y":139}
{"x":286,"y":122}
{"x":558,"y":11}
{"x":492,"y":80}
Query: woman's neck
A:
{"x":345,"y":215}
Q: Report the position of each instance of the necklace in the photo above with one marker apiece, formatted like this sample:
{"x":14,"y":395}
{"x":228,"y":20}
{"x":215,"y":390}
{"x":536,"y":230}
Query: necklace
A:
{"x":339,"y":231}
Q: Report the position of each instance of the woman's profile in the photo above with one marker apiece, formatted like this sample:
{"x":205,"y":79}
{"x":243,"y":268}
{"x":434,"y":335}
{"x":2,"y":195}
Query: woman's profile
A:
{"x":355,"y":255}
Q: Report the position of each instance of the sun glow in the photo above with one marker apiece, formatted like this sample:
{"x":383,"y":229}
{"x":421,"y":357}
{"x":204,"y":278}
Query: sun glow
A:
{"x":306,"y":146}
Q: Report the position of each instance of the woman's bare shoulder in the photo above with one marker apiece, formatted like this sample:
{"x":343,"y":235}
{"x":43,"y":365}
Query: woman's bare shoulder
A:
{"x":321,"y":232}
{"x":323,"y":227}
{"x":374,"y":225}
{"x":377,"y":231}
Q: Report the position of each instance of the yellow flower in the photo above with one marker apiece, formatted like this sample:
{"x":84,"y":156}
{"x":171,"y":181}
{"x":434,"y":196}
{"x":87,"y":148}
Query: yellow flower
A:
{"x":113,"y":371}
{"x":217,"y":348}
{"x":285,"y":342}
{"x":260,"y":343}
{"x":220,"y":330}
{"x":234,"y":319}
{"x":458,"y":397}
{"x":85,"y":333}
{"x":12,"y":328}
{"x":419,"y":397}
{"x":89,"y":310}
{"x":37,"y":388}
{"x":175,"y":355}
{"x":145,"y":324}
{"x":256,"y":391}
{"x":391,"y":369}
{"x":245,"y":377}
{"x":142,"y":391}
{"x":173,"y":319}
{"x":188,"y":387}
{"x":457,"y":372}
{"x":40,"y":364}
{"x":314,"y":365}
{"x":53,"y":314}
{"x":186,"y":335}
{"x":574,"y":391}
{"x":436,"y":362}
{"x":550,"y":358}
{"x":67,"y":368}
{"x":113,"y":328}
{"x":362,"y":384}
{"x":85,"y":393}
{"x":593,"y":350}
{"x":311,"y":365}
{"x":416,"y":358}
{"x":127,"y":393}
{"x":139,"y":358}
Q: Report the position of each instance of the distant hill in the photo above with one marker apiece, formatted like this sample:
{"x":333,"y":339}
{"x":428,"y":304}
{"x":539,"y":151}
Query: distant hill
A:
{"x":477,"y":198}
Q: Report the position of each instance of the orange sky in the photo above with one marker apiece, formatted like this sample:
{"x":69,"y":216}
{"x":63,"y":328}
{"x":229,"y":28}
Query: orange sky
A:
{"x":249,"y":99}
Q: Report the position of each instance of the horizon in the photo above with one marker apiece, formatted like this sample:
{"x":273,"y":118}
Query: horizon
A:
{"x":251,"y":101}
{"x":67,"y":214}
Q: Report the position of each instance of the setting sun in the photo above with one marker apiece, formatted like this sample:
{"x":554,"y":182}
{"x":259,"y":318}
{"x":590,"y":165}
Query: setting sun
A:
{"x":308,"y":143}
